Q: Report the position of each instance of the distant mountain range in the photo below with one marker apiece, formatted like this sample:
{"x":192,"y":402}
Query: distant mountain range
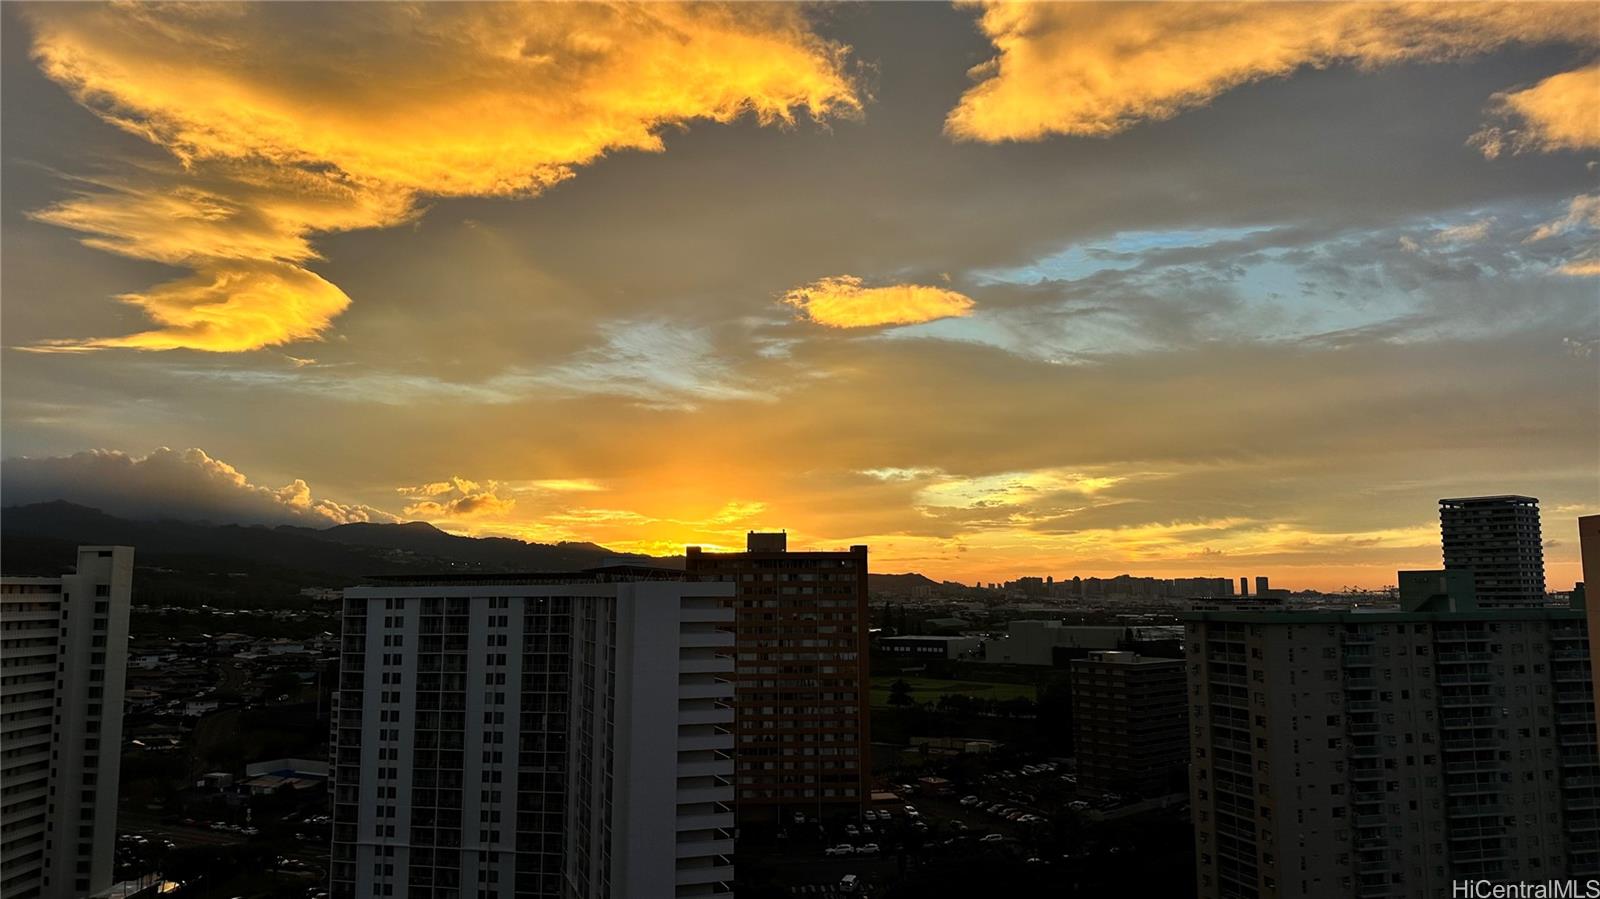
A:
{"x":41,"y":539}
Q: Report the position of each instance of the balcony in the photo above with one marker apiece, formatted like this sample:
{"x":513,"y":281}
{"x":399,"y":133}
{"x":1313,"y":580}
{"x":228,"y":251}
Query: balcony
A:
{"x":711,"y":665}
{"x":706,"y":874}
{"x":709,"y":741}
{"x":719,"y":689}
{"x":705,"y":821}
{"x":691,"y":847}
{"x":706,"y":639}
{"x":711,"y":768}
{"x":692,"y":795}
{"x":1454,"y":722}
{"x":1479,"y":810}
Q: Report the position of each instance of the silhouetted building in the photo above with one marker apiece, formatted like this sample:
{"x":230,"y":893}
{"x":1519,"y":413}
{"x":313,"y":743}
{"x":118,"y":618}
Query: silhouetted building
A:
{"x":801,"y":676}
{"x":1438,"y":590}
{"x":543,"y":735}
{"x":1129,"y":731}
{"x":1244,"y":586}
{"x":1261,"y":586}
{"x":1589,"y":548}
{"x":64,"y":651}
{"x":1497,"y":539}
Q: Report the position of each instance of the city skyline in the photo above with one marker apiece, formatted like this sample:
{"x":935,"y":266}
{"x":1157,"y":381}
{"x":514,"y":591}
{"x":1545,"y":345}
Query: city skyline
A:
{"x":915,"y":277}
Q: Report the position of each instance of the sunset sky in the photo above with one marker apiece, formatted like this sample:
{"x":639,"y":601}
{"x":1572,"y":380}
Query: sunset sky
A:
{"x":999,"y":290}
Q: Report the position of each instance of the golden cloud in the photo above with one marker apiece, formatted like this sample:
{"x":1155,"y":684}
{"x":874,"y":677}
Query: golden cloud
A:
{"x":1583,"y":212}
{"x":290,"y":121}
{"x":228,"y":309}
{"x":456,"y":498}
{"x":472,"y":505}
{"x":1561,"y":112}
{"x":845,"y":302}
{"x":1096,"y":70}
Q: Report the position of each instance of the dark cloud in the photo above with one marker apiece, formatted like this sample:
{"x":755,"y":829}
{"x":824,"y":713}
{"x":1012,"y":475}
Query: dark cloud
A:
{"x":187,"y":485}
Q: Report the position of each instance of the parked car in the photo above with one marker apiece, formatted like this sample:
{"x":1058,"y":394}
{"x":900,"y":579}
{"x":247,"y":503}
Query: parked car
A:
{"x":867,"y":849}
{"x":841,"y":849}
{"x":992,"y":838}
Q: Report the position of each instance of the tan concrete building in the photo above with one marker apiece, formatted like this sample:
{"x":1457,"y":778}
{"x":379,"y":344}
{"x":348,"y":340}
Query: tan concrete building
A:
{"x":800,"y":674}
{"x":1128,"y":724}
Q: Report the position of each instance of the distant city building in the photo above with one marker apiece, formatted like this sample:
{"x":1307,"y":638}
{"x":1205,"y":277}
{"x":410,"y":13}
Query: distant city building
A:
{"x":1244,"y":586}
{"x":542,"y":735}
{"x":923,"y":647}
{"x":1129,"y":727}
{"x":1055,"y":644}
{"x":1262,"y":585}
{"x":1391,"y":754}
{"x":1037,"y":642}
{"x":1127,"y":586}
{"x":801,"y":676}
{"x":1032,"y":586}
{"x":1497,"y":539}
{"x":1438,"y":591}
{"x":63,"y":662}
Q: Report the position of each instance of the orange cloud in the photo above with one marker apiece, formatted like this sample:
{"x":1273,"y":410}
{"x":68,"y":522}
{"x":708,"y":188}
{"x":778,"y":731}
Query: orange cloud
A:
{"x":1096,"y":70}
{"x":1561,"y":112}
{"x":286,"y":129}
{"x":845,"y":302}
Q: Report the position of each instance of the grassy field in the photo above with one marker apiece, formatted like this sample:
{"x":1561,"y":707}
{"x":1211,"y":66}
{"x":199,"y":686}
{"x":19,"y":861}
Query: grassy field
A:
{"x":928,"y":689}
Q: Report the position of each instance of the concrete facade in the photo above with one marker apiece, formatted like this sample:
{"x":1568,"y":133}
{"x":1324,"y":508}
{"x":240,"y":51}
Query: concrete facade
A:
{"x":913,"y":646}
{"x":802,"y":676}
{"x":537,"y":736}
{"x":1129,"y":728}
{"x":1388,"y":754}
{"x":1035,"y":642}
{"x":1497,"y":539}
{"x":63,"y":663}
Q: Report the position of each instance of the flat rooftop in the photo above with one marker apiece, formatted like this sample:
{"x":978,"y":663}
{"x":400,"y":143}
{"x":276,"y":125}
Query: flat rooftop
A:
{"x":601,"y":575}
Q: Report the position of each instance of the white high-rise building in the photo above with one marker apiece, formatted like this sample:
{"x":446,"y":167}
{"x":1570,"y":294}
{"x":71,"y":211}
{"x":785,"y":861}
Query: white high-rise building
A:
{"x":63,"y":657}
{"x":548,"y":735}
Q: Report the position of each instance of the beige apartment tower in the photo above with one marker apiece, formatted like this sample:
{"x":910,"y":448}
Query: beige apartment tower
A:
{"x":1128,"y":724}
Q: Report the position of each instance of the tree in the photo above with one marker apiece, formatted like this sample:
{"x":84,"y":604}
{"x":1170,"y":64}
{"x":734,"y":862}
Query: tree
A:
{"x":900,"y":693}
